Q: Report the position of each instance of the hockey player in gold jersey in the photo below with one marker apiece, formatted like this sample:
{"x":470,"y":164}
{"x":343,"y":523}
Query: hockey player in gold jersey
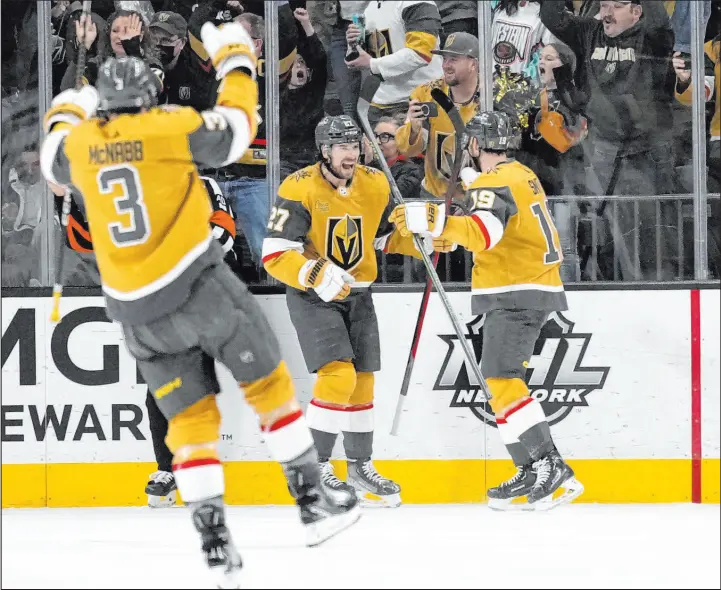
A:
{"x":134,"y":169}
{"x":327,"y":222}
{"x":515,"y":284}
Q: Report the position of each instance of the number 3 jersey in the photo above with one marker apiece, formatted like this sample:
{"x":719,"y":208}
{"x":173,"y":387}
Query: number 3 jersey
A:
{"x":312,"y":219}
{"x":515,"y":245}
{"x":147,"y":208}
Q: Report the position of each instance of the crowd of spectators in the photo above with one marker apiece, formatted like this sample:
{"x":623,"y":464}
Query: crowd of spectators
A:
{"x":601,"y":92}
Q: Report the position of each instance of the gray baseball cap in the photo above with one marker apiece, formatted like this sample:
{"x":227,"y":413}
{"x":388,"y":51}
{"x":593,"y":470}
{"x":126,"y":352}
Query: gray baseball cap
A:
{"x":463,"y":44}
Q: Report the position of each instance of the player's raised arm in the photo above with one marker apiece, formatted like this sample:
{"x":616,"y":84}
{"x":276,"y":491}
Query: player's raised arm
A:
{"x":488,"y":204}
{"x":230,"y":126}
{"x":67,"y":109}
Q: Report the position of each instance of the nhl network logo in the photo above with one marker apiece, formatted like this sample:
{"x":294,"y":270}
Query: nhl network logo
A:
{"x":555,"y":373}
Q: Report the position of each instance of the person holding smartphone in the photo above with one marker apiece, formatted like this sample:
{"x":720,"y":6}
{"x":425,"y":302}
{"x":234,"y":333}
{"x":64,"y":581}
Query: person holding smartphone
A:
{"x":428,"y":129}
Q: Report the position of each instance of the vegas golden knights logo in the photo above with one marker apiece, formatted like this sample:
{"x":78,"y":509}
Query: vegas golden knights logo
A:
{"x":344,"y":247}
{"x":379,"y":43}
{"x":445,"y":153}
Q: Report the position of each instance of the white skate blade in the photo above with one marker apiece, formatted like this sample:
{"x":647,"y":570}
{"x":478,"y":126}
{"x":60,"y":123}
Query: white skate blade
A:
{"x":370,"y":500}
{"x":510,"y":505}
{"x":572,"y":489}
{"x":162,"y":501}
{"x":227,"y":579}
{"x":318,"y":532}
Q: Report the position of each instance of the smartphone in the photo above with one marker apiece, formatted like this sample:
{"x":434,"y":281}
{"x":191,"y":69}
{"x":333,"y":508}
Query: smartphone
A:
{"x":429,"y":109}
{"x":686,"y":61}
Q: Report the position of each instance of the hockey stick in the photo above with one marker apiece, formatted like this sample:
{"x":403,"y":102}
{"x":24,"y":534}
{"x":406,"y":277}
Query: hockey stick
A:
{"x":368,"y":89}
{"x":447,"y":105}
{"x":67,"y":197}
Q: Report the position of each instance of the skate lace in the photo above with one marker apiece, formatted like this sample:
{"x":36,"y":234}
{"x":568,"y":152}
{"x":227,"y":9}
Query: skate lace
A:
{"x":543,"y":471}
{"x":328,"y":476}
{"x":161,"y":477}
{"x":515,"y":479}
{"x":370,"y":472}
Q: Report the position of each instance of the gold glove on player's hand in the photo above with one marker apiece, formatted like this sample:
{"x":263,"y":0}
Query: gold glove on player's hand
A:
{"x":71,"y":106}
{"x":444,"y":246}
{"x":329,"y":281}
{"x":230,"y":47}
{"x":419,"y":217}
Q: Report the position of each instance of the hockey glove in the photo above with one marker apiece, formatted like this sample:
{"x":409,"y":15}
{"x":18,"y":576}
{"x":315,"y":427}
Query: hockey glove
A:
{"x":419,"y":217}
{"x":71,"y":106}
{"x":330,"y":282}
{"x":230,"y":47}
{"x":444,"y":246}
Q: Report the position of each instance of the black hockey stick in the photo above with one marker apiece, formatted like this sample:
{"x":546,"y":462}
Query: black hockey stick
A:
{"x":447,"y":105}
{"x":368,"y":89}
{"x":67,"y":197}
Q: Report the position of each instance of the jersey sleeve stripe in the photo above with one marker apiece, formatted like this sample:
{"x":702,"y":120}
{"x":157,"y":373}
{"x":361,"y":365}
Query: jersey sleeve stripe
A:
{"x":49,"y":152}
{"x":491,"y":227}
{"x":274,"y":247}
{"x":238,"y":121}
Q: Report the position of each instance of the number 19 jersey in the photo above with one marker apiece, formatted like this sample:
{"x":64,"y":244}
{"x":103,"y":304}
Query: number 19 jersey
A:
{"x":515,"y":245}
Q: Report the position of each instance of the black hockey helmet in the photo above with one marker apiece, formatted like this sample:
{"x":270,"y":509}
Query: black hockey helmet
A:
{"x":125,"y":84}
{"x":337,"y":129}
{"x":494,"y":130}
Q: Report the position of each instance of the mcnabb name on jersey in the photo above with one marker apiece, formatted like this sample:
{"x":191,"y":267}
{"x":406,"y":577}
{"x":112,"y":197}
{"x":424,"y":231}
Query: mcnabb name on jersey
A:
{"x":555,"y":373}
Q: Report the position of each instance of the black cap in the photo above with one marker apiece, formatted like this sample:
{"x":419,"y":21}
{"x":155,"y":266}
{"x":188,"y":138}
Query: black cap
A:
{"x":170,"y":22}
{"x":463,"y":44}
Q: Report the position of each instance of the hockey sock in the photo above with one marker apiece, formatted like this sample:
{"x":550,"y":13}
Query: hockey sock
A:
{"x":359,"y":424}
{"x":192,"y":437}
{"x":526,"y":423}
{"x":327,"y":410}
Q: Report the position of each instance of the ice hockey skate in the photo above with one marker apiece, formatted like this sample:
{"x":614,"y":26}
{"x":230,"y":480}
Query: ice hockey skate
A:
{"x":372,"y":488}
{"x":218,"y":548}
{"x":324,"y":511}
{"x":511,"y":494}
{"x":553,"y":473}
{"x":161,"y":490}
{"x":329,"y":479}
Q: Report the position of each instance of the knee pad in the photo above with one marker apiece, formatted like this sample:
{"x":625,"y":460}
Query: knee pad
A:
{"x":363,"y":392}
{"x":196,"y":427}
{"x":271,"y":392}
{"x":505,"y":392}
{"x":336,"y":383}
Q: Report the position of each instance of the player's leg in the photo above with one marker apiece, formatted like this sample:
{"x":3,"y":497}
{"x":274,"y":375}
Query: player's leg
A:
{"x":184,"y":385}
{"x":244,"y":342}
{"x":325,"y":343}
{"x":372,"y":487}
{"x":509,"y":337}
{"x":161,"y":488}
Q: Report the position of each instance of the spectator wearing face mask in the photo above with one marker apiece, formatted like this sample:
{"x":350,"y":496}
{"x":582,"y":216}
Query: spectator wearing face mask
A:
{"x":170,"y":33}
{"x":128,"y":36}
{"x":301,"y":105}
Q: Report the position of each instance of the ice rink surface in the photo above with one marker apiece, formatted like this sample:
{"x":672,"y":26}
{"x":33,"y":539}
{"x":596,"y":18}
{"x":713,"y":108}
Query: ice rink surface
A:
{"x":454,"y":546}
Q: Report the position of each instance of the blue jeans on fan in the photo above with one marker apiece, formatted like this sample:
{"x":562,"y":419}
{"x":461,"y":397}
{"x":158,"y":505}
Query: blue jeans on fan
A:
{"x":249,"y":199}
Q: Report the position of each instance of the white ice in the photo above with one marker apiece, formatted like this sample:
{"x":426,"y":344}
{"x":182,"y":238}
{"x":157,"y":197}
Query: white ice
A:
{"x":468,"y":546}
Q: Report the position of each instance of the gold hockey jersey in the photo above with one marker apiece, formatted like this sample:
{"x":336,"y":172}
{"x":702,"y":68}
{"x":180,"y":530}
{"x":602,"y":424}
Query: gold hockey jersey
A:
{"x":436,"y":139}
{"x":312,"y":219}
{"x":515,"y":245}
{"x":146,"y":205}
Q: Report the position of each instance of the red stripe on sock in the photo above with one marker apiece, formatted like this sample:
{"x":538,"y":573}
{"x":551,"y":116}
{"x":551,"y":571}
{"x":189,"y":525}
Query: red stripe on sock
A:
{"x":284,"y":421}
{"x":523,"y":404}
{"x":196,"y":463}
{"x":358,"y":408}
{"x":500,"y":420}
